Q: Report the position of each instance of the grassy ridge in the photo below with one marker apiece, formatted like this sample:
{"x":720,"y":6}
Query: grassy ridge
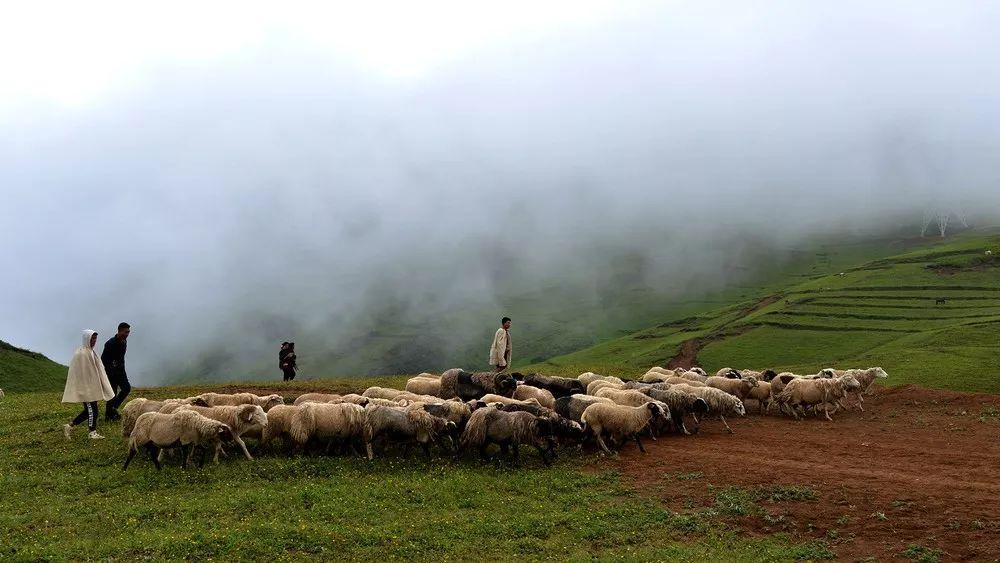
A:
{"x":331,"y":507}
{"x":883,"y":311}
{"x":24,"y":371}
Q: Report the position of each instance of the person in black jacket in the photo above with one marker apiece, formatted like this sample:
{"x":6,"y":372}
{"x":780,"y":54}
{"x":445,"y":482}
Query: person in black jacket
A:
{"x":113,"y":359}
{"x":286,"y":361}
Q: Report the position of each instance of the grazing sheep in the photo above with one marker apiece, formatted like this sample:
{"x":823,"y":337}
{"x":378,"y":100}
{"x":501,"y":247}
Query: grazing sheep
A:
{"x":185,"y":429}
{"x":454,"y":411}
{"x":699,"y":371}
{"x":279,"y":423}
{"x":558,"y":386}
{"x":719,"y":402}
{"x":331,"y":421}
{"x":729,"y":373}
{"x":406,"y":425}
{"x":621,"y":422}
{"x":594,"y":387}
{"x":739,"y":387}
{"x":383,"y":393}
{"x":424,"y":385}
{"x":234,"y":399}
{"x":243,"y":420}
{"x":384,"y":402}
{"x":139,"y":406}
{"x":680,"y":404}
{"x":467,"y":386}
{"x":815,"y":393}
{"x":543,"y":396}
{"x":507,"y":429}
{"x":762,"y":394}
{"x":589,"y":377}
{"x":572,"y":407}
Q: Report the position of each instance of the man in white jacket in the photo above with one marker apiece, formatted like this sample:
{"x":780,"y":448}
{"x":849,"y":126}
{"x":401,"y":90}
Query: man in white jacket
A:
{"x":500,"y":351}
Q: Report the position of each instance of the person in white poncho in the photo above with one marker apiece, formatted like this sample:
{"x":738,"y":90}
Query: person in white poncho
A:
{"x":86,"y":383}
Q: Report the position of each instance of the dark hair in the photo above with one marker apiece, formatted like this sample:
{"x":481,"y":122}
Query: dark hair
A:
{"x":504,"y":320}
{"x":122,"y":326}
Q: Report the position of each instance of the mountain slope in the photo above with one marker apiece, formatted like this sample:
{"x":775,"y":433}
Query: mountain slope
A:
{"x":24,"y":371}
{"x":929,"y":316}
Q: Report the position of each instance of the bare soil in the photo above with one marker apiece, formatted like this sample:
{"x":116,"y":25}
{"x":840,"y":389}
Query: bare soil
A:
{"x":918,"y":467}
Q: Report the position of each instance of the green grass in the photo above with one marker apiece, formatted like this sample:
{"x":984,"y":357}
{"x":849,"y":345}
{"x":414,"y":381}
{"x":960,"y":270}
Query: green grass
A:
{"x":23,"y":371}
{"x":70,"y":500}
{"x":881,"y":310}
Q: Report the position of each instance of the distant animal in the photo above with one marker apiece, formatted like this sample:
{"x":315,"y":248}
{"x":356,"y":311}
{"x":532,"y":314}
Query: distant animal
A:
{"x":989,"y":253}
{"x":940,"y":301}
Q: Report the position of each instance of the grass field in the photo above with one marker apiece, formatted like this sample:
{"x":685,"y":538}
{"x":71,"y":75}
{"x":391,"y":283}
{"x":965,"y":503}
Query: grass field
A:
{"x":71,"y":500}
{"x":883,"y":311}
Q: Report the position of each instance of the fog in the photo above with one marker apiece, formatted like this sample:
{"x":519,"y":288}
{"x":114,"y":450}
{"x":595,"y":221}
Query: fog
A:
{"x":280,"y":188}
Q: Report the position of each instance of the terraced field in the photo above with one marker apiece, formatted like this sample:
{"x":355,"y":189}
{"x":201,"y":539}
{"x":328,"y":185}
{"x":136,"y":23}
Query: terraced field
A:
{"x":929,"y":316}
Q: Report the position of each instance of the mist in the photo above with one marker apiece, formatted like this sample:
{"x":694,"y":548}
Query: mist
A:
{"x":291,"y":190}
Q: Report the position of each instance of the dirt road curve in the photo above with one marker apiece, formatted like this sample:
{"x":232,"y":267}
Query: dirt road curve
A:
{"x":917,"y":467}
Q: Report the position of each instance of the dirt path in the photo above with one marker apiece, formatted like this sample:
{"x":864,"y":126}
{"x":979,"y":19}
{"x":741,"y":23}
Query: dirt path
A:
{"x":918,"y":467}
{"x":688,"y":354}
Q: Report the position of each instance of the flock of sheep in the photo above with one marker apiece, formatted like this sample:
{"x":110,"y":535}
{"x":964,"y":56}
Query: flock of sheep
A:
{"x":461,"y":411}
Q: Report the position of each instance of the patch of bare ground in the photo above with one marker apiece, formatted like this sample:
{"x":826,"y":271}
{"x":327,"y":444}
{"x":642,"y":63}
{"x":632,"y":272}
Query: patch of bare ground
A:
{"x":917,"y":467}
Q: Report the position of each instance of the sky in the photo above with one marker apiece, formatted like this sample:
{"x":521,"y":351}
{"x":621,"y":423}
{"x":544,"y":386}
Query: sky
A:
{"x":223,"y":174}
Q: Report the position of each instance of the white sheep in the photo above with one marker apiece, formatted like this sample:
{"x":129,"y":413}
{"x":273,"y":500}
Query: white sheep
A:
{"x":692,"y":375}
{"x":331,"y":421}
{"x":595,"y":386}
{"x":629,"y":397}
{"x":719,"y":402}
{"x":185,"y":429}
{"x":424,"y":385}
{"x":656,"y":374}
{"x":739,"y":387}
{"x":621,"y":422}
{"x":815,"y":393}
{"x":589,"y":377}
{"x":409,"y":425}
{"x":244,"y":420}
{"x":279,"y":423}
{"x":492,"y":398}
{"x":233,"y":399}
{"x":866,"y":378}
{"x":383,"y":392}
{"x":330,"y":398}
{"x":139,"y":406}
{"x":762,"y":394}
{"x":543,"y":396}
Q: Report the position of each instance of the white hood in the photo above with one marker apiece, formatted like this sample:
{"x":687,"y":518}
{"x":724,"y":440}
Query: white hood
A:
{"x":87,"y":334}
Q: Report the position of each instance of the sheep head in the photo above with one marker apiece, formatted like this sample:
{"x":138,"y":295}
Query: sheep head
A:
{"x":225,"y":433}
{"x":699,"y":406}
{"x":768,"y":374}
{"x":698,"y":370}
{"x":272,"y":401}
{"x":827,"y":373}
{"x":880,"y":373}
{"x":850,"y":383}
{"x":504,"y":384}
{"x":656,"y":411}
{"x":733,"y":374}
{"x":751,"y":381}
{"x":253,"y":414}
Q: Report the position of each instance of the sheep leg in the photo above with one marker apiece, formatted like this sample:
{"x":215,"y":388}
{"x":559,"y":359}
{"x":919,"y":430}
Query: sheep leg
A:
{"x":368,"y":451}
{"x":204,"y":454}
{"x":545,"y":460}
{"x":154,"y":453}
{"x":517,"y":453}
{"x":684,"y":428}
{"x":826,"y":411}
{"x":243,"y":447}
{"x":218,"y":448}
{"x":600,"y":442}
{"x":128,"y":460}
{"x":639,"y":442}
{"x":427,"y":449}
{"x":723,"y":419}
{"x":185,"y":455}
{"x":482,"y":451}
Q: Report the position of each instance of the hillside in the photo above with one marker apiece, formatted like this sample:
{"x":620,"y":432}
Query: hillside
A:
{"x":928,"y":315}
{"x":25,"y":371}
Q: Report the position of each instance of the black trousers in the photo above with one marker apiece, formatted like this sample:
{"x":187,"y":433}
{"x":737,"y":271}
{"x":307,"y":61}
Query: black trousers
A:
{"x":289,"y":373}
{"x":119,"y":382}
{"x":89,"y":414}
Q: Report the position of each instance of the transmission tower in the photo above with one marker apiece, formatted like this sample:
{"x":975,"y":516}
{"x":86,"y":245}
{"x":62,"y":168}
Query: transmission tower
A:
{"x":942,"y":216}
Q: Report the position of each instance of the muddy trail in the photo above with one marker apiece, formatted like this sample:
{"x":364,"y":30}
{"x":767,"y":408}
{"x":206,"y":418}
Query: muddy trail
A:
{"x":687,"y":356}
{"x":918,"y":468}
